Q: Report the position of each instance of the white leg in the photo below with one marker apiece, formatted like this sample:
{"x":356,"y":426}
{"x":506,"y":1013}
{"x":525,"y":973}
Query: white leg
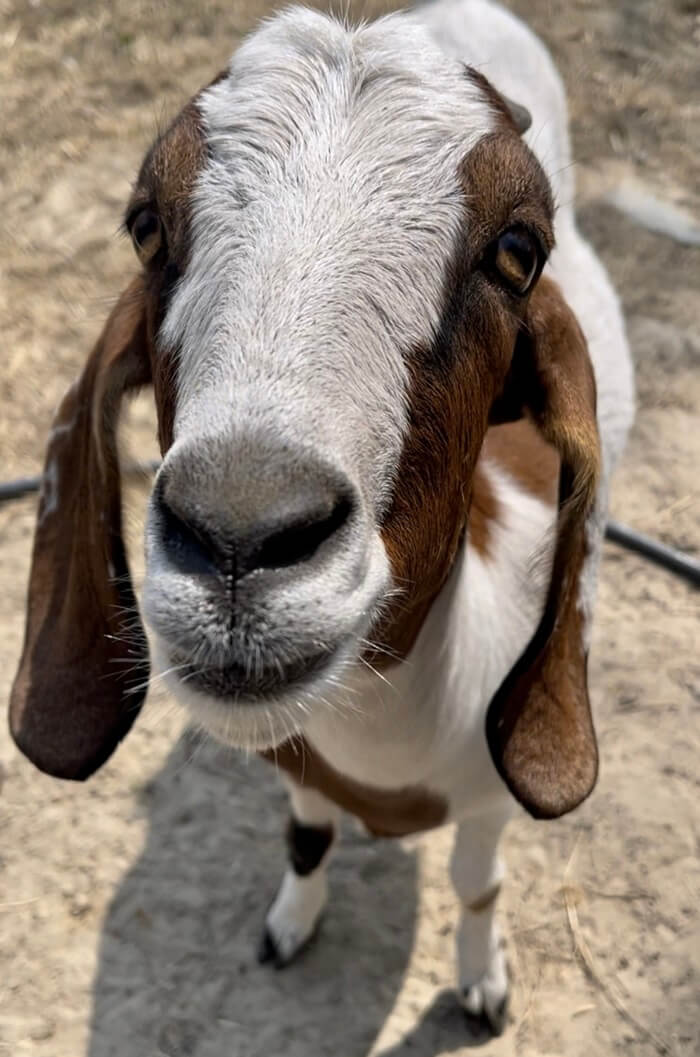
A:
{"x":476,"y":871}
{"x":294,"y":914}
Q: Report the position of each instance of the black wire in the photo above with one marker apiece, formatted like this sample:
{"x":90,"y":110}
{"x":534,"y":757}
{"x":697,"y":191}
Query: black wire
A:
{"x":669,"y":558}
{"x":16,"y":489}
{"x":658,"y":553}
{"x":10,"y":490}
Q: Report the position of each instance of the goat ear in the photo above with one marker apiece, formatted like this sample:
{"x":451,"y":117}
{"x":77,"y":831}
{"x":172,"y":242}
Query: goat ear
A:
{"x":84,"y":645}
{"x":539,"y":724}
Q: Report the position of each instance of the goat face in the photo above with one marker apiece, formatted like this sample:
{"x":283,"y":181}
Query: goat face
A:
{"x":326,"y":221}
{"x":339,"y":239}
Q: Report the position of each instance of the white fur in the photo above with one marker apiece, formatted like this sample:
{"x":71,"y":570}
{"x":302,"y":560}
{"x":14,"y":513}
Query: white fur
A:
{"x":294,"y":914}
{"x":476,"y":871}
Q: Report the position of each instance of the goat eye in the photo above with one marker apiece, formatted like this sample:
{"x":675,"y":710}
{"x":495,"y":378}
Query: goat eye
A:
{"x":516,"y":259}
{"x":147,"y":234}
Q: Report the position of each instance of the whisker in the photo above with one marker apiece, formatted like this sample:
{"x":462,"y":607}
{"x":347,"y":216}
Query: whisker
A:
{"x":378,"y":674}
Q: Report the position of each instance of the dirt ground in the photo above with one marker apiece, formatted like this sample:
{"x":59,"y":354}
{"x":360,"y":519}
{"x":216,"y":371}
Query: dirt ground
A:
{"x":130,"y":907}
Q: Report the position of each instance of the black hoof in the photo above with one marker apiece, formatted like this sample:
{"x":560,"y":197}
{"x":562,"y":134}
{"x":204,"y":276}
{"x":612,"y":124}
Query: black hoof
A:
{"x":488,"y":1023}
{"x":270,"y":954}
{"x":498,"y":1018}
{"x":267,"y":950}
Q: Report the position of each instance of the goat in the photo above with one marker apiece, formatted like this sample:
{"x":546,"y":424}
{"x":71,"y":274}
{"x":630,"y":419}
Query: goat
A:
{"x":389,"y":404}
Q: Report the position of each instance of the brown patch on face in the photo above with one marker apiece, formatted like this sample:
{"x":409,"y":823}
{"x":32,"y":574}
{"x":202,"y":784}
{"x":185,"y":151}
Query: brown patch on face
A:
{"x":454,"y":385}
{"x":167,"y":179}
{"x":165,"y":184}
{"x":505,"y":185}
{"x":448,"y":411}
{"x":385,"y":813}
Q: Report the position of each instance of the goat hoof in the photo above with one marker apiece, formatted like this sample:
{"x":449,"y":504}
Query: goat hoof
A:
{"x":280,"y":952}
{"x":293,"y":917}
{"x":486,"y":1007}
{"x":270,"y":953}
{"x":267,"y":951}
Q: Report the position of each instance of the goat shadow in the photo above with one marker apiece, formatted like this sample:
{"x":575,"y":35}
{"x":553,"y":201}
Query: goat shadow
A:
{"x":178,"y":974}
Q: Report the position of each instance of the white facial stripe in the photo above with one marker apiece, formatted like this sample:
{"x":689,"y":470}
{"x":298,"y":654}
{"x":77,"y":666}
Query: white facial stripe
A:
{"x":322,"y":226}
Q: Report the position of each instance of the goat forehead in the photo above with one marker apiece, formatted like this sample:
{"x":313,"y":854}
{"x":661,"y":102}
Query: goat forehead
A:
{"x":305,"y":95}
{"x":331,"y":200}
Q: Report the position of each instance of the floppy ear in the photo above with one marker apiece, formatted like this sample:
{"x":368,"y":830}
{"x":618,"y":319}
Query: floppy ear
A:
{"x":84,"y":645}
{"x":539,"y":724}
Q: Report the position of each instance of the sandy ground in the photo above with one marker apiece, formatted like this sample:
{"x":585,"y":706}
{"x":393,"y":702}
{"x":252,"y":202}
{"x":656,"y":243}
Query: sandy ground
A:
{"x":130,"y":908}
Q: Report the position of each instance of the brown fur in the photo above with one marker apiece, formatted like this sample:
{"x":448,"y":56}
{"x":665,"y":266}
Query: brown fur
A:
{"x":521,"y":450}
{"x":385,"y":813}
{"x":166,"y":182}
{"x":167,"y":178}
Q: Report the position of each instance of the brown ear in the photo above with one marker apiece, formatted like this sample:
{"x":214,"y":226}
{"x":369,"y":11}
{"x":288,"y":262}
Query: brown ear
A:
{"x":539,"y":724}
{"x":84,"y":645}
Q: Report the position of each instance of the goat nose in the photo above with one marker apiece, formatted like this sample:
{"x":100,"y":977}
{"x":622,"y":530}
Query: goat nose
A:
{"x":199,"y":545}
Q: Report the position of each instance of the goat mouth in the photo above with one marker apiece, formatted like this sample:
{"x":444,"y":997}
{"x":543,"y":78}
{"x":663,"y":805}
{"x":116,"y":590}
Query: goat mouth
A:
{"x":236,"y":681}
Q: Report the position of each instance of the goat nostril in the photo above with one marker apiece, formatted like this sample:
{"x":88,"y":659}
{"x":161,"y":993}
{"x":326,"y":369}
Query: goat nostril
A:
{"x":299,"y":541}
{"x":187,"y":546}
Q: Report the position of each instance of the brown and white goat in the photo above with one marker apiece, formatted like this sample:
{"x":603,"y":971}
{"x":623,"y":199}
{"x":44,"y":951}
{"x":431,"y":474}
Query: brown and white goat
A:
{"x":372,"y":543}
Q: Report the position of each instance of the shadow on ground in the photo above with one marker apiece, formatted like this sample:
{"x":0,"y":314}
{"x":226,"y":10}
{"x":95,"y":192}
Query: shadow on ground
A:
{"x":442,"y":1029}
{"x":177,"y":971}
